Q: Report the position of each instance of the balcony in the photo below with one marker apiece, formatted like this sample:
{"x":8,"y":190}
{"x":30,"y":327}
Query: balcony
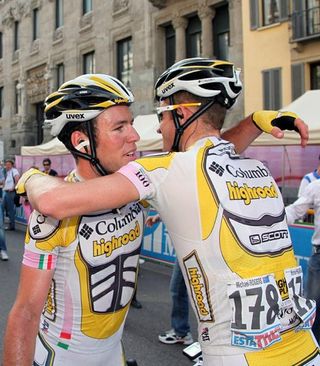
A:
{"x":306,"y":24}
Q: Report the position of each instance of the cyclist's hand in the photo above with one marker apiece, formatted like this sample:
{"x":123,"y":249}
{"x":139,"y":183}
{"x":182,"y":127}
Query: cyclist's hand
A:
{"x":275,"y":122}
{"x":20,"y":187}
{"x":152,"y":220}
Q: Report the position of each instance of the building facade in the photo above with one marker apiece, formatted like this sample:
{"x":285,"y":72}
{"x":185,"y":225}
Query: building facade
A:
{"x":46,"y":42}
{"x":281,"y":48}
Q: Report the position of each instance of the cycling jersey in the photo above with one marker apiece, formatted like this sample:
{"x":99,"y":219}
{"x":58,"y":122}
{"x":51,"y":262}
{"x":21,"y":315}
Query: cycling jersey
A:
{"x":306,"y":180}
{"x":94,"y":258}
{"x":309,"y":198}
{"x":226,"y":218}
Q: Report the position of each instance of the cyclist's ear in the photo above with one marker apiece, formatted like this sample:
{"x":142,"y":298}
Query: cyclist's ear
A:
{"x":179,"y":113}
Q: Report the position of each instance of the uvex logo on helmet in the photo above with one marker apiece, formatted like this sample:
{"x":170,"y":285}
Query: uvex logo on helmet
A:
{"x":75,"y":115}
{"x":167,"y":88}
{"x":121,"y":101}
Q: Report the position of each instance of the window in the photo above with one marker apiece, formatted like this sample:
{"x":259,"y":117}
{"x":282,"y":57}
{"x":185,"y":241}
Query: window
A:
{"x":272,"y":95}
{"x":193,"y":37}
{"x":313,"y":16}
{"x":1,"y":46}
{"x":16,"y":97}
{"x":266,"y":12}
{"x":1,"y":100}
{"x":170,"y":36}
{"x":270,"y":11}
{"x":59,"y":75}
{"x":89,"y":65}
{"x":305,"y":19}
{"x":59,"y":13}
{"x":35,"y":24}
{"x":16,"y":45}
{"x":297,"y":80}
{"x":315,"y":75}
{"x":124,"y":61}
{"x":86,"y":6}
{"x":220,"y":26}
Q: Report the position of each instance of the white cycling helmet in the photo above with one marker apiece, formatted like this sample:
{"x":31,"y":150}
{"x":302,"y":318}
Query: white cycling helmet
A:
{"x":202,"y":77}
{"x":83,"y":99}
{"x":79,"y":101}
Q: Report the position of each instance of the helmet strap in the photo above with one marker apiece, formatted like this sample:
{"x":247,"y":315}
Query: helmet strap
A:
{"x":92,"y":158}
{"x":94,"y":161}
{"x":181,"y":128}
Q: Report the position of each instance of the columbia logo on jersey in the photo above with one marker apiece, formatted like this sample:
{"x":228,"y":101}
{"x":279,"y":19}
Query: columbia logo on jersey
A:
{"x":247,"y":173}
{"x":216,"y":168}
{"x":247,"y":193}
{"x":86,"y":231}
{"x":106,"y":248}
{"x":36,"y":229}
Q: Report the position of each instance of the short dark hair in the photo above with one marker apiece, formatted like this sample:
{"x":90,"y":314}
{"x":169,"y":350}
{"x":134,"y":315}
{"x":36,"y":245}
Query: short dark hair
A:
{"x":213,"y":117}
{"x":46,"y":160}
{"x":10,"y":161}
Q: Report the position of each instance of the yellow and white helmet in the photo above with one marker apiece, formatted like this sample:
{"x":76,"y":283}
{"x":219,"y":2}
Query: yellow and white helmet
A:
{"x":83,"y":99}
{"x":204,"y":77}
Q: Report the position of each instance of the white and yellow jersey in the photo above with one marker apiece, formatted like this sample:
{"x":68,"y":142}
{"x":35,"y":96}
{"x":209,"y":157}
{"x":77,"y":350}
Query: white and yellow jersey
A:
{"x":95,"y":260}
{"x":226,"y":218}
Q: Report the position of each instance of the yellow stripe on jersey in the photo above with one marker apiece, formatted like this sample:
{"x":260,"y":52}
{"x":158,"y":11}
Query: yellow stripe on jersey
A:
{"x":247,"y":264}
{"x":208,"y":203}
{"x":298,"y":350}
{"x":154,"y":162}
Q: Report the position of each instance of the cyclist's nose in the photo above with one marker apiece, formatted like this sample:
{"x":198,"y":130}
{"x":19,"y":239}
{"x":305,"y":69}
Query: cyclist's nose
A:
{"x":133,"y":136}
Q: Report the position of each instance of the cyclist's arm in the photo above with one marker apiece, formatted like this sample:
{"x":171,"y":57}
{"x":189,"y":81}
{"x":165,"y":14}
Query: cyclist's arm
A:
{"x":59,"y":199}
{"x":300,"y":207}
{"x":23,"y":320}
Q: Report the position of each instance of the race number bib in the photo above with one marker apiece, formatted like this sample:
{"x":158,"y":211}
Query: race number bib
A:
{"x":255,"y":305}
{"x":304,"y":308}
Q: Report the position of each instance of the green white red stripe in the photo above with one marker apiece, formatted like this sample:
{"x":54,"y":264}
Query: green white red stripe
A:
{"x":40,"y":261}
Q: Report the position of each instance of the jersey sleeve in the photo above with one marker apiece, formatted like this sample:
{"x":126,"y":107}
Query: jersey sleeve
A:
{"x":140,"y":178}
{"x":41,"y":242}
{"x":303,"y":184}
{"x":299,"y":208}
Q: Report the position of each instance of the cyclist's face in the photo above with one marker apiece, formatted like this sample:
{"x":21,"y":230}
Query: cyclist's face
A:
{"x":167,"y":129}
{"x":116,"y":138}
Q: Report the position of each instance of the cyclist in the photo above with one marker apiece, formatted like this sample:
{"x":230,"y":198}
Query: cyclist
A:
{"x":78,"y":275}
{"x":224,"y":214}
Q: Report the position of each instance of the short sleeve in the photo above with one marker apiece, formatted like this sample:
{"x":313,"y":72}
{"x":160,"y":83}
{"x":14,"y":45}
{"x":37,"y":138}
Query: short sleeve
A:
{"x":138,"y":176}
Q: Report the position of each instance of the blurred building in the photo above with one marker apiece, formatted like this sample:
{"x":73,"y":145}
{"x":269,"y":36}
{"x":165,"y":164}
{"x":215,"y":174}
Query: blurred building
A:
{"x":281,"y":48}
{"x":46,"y":42}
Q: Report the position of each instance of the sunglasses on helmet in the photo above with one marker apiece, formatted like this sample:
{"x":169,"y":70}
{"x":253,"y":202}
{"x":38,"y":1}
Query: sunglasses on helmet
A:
{"x":171,"y":107}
